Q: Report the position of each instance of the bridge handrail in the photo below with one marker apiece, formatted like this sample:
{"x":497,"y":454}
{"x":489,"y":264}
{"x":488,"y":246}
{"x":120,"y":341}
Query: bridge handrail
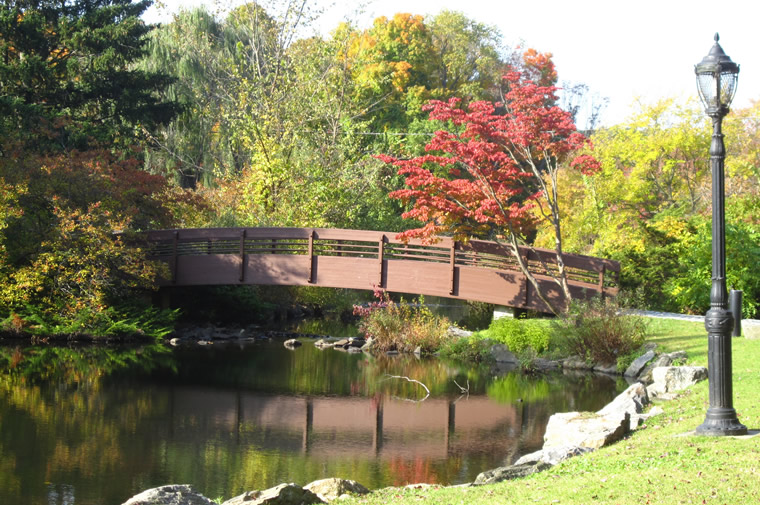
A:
{"x":599,"y":274}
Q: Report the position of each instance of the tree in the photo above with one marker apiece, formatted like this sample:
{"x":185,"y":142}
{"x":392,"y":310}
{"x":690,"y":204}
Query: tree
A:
{"x":496,"y":173}
{"x":654,"y":163}
{"x":469,"y":57}
{"x":67,"y":76}
{"x":192,"y":50}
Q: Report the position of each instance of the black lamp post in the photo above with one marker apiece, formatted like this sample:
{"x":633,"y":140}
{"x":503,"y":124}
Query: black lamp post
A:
{"x":716,"y":80}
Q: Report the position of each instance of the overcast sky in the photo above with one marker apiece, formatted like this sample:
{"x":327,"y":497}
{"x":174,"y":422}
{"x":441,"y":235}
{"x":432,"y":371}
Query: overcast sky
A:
{"x":623,"y":50}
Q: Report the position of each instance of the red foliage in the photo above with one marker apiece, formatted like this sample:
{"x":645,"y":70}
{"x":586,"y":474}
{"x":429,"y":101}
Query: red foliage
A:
{"x":488,"y":171}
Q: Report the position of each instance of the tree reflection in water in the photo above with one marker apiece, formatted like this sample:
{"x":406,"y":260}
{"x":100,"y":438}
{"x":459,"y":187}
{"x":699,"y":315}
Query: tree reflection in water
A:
{"x":97,"y":425}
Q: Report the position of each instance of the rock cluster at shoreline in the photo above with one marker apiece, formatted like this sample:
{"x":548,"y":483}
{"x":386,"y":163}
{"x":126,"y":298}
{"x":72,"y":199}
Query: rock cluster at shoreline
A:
{"x":569,"y":434}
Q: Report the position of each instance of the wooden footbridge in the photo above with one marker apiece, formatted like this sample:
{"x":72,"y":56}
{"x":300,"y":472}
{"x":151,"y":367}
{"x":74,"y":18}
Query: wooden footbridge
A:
{"x":479,"y":270}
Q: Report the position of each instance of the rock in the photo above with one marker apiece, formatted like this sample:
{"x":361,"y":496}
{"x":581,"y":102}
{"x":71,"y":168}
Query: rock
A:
{"x":331,"y":489}
{"x":551,"y":455}
{"x":585,"y":429}
{"x":421,"y":485}
{"x":501,"y":354}
{"x":508,"y":473}
{"x":453,"y":331}
{"x":284,"y":494}
{"x":678,"y":357}
{"x":608,"y":368}
{"x":655,"y":411}
{"x":670,"y":379}
{"x":418,"y":351}
{"x":323,"y":344}
{"x":344,"y":342}
{"x":205,"y":342}
{"x":175,"y":341}
{"x":638,"y":364}
{"x":576,"y":363}
{"x":631,"y":401}
{"x":175,"y":494}
{"x":245,"y":498}
{"x":369,"y":344}
{"x":646,"y":375}
{"x":356,"y":342}
{"x":292,"y":343}
{"x":542,"y":364}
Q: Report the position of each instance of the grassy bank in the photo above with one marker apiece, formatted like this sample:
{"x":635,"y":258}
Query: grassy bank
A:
{"x":658,"y":464}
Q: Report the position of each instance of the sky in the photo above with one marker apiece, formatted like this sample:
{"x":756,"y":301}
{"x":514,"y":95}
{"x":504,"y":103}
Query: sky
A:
{"x":628,"y":52}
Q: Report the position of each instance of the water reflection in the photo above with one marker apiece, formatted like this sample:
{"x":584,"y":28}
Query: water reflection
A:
{"x":95,"y":426}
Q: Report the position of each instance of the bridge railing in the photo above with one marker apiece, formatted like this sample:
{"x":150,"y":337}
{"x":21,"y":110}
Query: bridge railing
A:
{"x":584,"y":272}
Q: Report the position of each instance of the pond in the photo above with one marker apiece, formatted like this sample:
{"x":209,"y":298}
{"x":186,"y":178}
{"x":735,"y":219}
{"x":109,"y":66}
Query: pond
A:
{"x":96,"y":425}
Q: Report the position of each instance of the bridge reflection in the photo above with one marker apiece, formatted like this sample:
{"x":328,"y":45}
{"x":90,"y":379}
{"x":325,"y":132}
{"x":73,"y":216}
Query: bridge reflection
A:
{"x":340,"y":427}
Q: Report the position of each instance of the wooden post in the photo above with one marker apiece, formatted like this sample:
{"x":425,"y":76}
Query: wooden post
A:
{"x":453,"y":263}
{"x":602,"y":272}
{"x":174,"y":256}
{"x":380,"y":249}
{"x":310,"y":280}
{"x":527,"y":282}
{"x":242,"y":255}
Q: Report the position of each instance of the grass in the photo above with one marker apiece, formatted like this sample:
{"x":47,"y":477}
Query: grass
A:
{"x":658,"y":464}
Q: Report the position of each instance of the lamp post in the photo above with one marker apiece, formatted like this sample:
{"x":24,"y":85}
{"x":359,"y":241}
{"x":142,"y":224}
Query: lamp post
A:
{"x":716,"y":81}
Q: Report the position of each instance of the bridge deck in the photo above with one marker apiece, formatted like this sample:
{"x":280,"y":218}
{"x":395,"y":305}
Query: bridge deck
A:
{"x":355,"y":259}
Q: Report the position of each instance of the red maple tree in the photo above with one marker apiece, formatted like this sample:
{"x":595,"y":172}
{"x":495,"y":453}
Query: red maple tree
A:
{"x":495,"y":173}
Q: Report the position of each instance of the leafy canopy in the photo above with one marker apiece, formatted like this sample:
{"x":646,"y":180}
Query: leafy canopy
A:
{"x":73,"y":60}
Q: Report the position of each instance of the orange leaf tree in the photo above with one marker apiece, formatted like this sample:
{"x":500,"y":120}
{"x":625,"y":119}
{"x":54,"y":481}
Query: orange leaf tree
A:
{"x":495,"y":172}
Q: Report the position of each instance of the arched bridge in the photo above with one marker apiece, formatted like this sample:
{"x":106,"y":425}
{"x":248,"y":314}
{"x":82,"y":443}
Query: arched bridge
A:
{"x":479,"y":270}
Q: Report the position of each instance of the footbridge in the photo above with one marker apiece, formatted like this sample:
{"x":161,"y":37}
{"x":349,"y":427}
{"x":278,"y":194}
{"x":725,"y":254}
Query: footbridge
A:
{"x":478,"y":270}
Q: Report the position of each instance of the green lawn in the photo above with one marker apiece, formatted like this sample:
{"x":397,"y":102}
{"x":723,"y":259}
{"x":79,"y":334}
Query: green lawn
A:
{"x":658,"y":464}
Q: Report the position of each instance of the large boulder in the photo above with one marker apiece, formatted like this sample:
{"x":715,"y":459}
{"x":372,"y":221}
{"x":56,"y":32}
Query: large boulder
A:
{"x":453,"y":331}
{"x":174,"y":494}
{"x":284,"y":494}
{"x":639,"y":363}
{"x":508,"y":473}
{"x":678,"y":357}
{"x":542,"y":364}
{"x":631,"y":401}
{"x":501,"y":354}
{"x":671,"y":379}
{"x":551,"y":455}
{"x":576,"y":363}
{"x":585,"y":429}
{"x":608,"y":368}
{"x":332,"y":489}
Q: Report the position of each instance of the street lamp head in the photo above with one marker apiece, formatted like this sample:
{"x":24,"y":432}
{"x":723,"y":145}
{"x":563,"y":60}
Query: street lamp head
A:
{"x":717,"y":76}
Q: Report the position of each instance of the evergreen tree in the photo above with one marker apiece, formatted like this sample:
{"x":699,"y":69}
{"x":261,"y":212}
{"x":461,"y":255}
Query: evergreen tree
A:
{"x":66,"y":74}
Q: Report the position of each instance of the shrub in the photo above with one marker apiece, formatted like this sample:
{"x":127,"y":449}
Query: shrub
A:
{"x":521,"y":334}
{"x":598,"y":331}
{"x":401,"y":326}
{"x":467,"y":349}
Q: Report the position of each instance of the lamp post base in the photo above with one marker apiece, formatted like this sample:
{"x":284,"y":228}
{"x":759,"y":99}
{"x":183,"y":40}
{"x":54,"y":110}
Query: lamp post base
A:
{"x":721,"y":421}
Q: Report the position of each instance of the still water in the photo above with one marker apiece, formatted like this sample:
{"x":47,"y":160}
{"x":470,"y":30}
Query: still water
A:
{"x":94,"y":426}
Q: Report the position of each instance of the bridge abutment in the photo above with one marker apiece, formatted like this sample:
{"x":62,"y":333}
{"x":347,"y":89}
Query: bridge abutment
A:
{"x":500,"y":311}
